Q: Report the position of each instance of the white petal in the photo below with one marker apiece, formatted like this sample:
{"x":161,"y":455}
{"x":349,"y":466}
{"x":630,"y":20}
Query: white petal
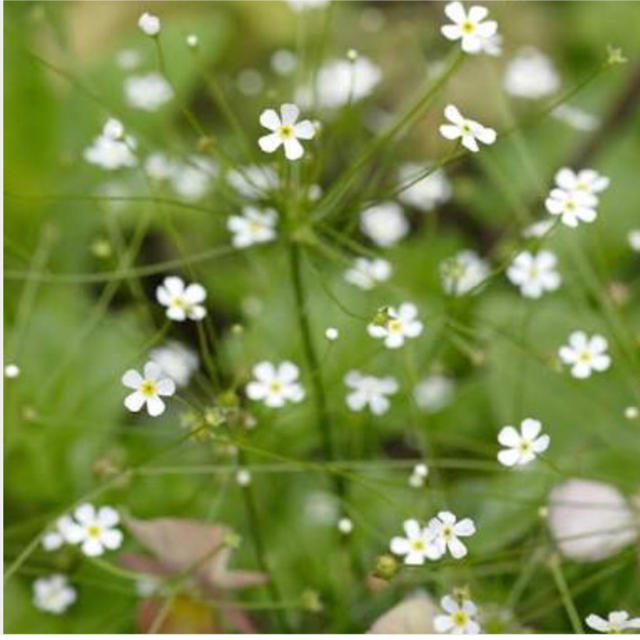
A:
{"x":155,"y":406}
{"x":174,"y":285}
{"x":449,"y":604}
{"x":269,"y":119}
{"x":293,"y":150}
{"x":486,"y":135}
{"x":464,"y":528}
{"x":412,"y":528}
{"x":288,"y":372}
{"x":508,"y":457}
{"x":399,"y":546}
{"x":197,"y":312}
{"x":289,"y":113}
{"x":270,"y":142}
{"x":597,"y":623}
{"x":470,"y":143}
{"x":152,"y":370}
{"x":176,"y":313}
{"x":566,"y":179}
{"x":451,"y":31}
{"x":112,"y":538}
{"x":264,"y":371}
{"x":478,"y":13}
{"x":452,"y":114}
{"x":132,"y":379}
{"x":443,"y":624}
{"x":456,"y":548}
{"x":108,"y":516}
{"x":509,"y":437}
{"x":447,"y":517}
{"x":541,"y":444}
{"x":195,"y":293}
{"x":530,"y":428}
{"x":304,"y":130}
{"x":84,"y":513}
{"x":92,"y":547}
{"x":166,"y":387}
{"x":455,"y":12}
{"x":256,"y":390}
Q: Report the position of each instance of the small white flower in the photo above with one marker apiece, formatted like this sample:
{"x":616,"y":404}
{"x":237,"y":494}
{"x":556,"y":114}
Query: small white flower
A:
{"x":384,"y":223}
{"x":463,"y":273}
{"x":148,"y":389}
{"x":530,"y":74}
{"x":585,"y":354}
{"x":492,"y":46}
{"x":345,"y":526}
{"x":538,"y":229}
{"x":418,"y":475}
{"x":534,"y":274}
{"x":158,"y":166}
{"x":283,"y":62}
{"x":285,"y":131}
{"x":331,"y":334}
{"x":634,"y":239}
{"x":471,"y":28}
{"x":616,"y":622}
{"x":572,"y":206}
{"x":147,"y":92}
{"x":243,"y":477}
{"x":250,"y":82}
{"x":191,"y":180}
{"x":398,"y":325}
{"x":585,"y":180}
{"x":253,"y":181}
{"x":459,"y":617}
{"x":275,"y":385}
{"x":418,"y":546}
{"x":427,"y":192}
{"x":53,"y":594}
{"x":110,"y":151}
{"x":11,"y":370}
{"x":176,"y":361}
{"x":303,"y":5}
{"x":631,"y":412}
{"x":181,"y":302}
{"x":192,"y":40}
{"x":434,"y":393}
{"x":446,"y":532}
{"x":94,"y":530}
{"x":469,"y":131}
{"x":522,"y":447}
{"x":369,"y":391}
{"x":576,"y":118}
{"x":254,"y":226}
{"x":367,"y":273}
{"x":149,"y":24}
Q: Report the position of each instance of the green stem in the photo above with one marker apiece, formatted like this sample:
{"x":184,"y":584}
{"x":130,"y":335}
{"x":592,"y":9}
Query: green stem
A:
{"x":561,"y":583}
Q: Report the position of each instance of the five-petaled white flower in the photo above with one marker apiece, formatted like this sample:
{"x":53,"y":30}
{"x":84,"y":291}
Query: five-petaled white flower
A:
{"x":446,"y":531}
{"x":572,"y":206}
{"x":616,"y":622}
{"x":149,"y":24}
{"x":459,"y":617}
{"x":53,"y":593}
{"x":522,"y":447}
{"x":181,"y":302}
{"x":148,"y":389}
{"x":469,"y":27}
{"x":534,"y":274}
{"x":469,"y":131}
{"x":285,"y":131}
{"x":418,"y":546}
{"x":252,"y":227}
{"x":384,"y":223}
{"x":463,"y":273}
{"x":275,"y":385}
{"x":94,"y":530}
{"x":394,"y":325}
{"x":369,"y":391}
{"x":367,"y":273}
{"x":586,"y":180}
{"x":585,"y":354}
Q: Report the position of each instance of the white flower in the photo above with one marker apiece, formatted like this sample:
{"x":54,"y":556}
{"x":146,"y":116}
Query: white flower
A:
{"x":417,"y":547}
{"x":585,"y":180}
{"x":243,"y":477}
{"x":427,"y":192}
{"x":463,"y":273}
{"x":634,"y":239}
{"x":250,"y":82}
{"x":446,"y":532}
{"x":192,"y":40}
{"x":616,"y":622}
{"x":590,"y":521}
{"x":459,"y":617}
{"x":468,"y":27}
{"x":11,"y":370}
{"x":176,"y":361}
{"x":522,"y":447}
{"x":397,"y":325}
{"x":111,"y":150}
{"x":538,"y":229}
{"x":53,"y":594}
{"x":434,"y":393}
{"x":149,"y":24}
{"x":275,"y":385}
{"x":94,"y":530}
{"x":191,"y":180}
{"x":534,"y":274}
{"x":285,"y":131}
{"x":575,"y":117}
{"x":631,"y":412}
{"x":367,"y":273}
{"x":530,"y":74}
{"x":418,"y":475}
{"x":321,"y":508}
{"x":585,"y":354}
{"x":345,"y":526}
{"x":384,"y":223}
{"x":283,"y":61}
{"x":158,"y":166}
{"x":302,"y":5}
{"x":572,"y":206}
{"x":331,"y":334}
{"x":128,"y":59}
{"x":252,"y":227}
{"x":148,"y":389}
{"x":253,"y":181}
{"x":147,"y":92}
{"x":181,"y":302}
{"x":369,"y":391}
{"x":469,"y":131}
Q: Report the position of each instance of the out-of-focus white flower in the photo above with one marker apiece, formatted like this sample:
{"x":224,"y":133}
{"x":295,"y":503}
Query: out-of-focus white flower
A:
{"x":345,"y":526}
{"x":538,"y":229}
{"x":573,"y":207}
{"x":53,"y":594}
{"x":470,"y":27}
{"x":459,"y":617}
{"x":284,"y":62}
{"x":250,"y":82}
{"x":147,"y":92}
{"x":275,"y":385}
{"x":191,"y":180}
{"x":149,"y":24}
{"x":589,"y":520}
{"x":94,"y":529}
{"x":631,"y":412}
{"x":468,"y":131}
{"x":254,"y":226}
{"x":369,"y":391}
{"x":367,"y":273}
{"x":158,"y":166}
{"x":492,"y":46}
{"x":530,"y":74}
{"x":253,"y":181}
{"x":243,"y":477}
{"x":463,"y":272}
{"x":434,"y":393}
{"x":148,"y":389}
{"x":616,"y":622}
{"x":447,"y":531}
{"x":575,"y":117}
{"x":418,"y":545}
{"x":11,"y":370}
{"x":176,"y":361}
{"x":192,"y":40}
{"x":285,"y":131}
{"x":128,"y":59}
{"x":634,"y":239}
{"x":321,"y":508}
{"x":182,"y":302}
{"x":111,"y":149}
{"x":585,"y":354}
{"x":397,"y":325}
{"x":384,"y":223}
{"x":534,"y":274}
{"x":585,"y":180}
{"x":303,"y":5}
{"x":426,"y":193}
{"x":418,"y":475}
{"x":523,"y":446}
{"x":331,"y":334}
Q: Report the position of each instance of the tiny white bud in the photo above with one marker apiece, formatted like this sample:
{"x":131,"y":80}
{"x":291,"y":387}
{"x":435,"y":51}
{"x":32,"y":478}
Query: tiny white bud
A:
{"x":416,"y":481}
{"x":243,"y":477}
{"x":192,"y":40}
{"x":345,"y":526}
{"x":631,"y":413}
{"x":352,"y":54}
{"x":149,"y":24}
{"x":421,"y":469}
{"x":12,"y":371}
{"x":113,"y":129}
{"x":331,"y":334}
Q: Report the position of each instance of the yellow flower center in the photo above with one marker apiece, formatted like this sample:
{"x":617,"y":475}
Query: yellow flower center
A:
{"x":286,"y":131}
{"x":585,"y":356}
{"x":417,"y":545}
{"x":447,"y":532}
{"x":275,"y":386}
{"x":460,"y":618}
{"x":148,"y":388}
{"x":394,"y":326}
{"x":94,"y":531}
{"x":570,"y":205}
{"x":468,"y":27}
{"x":179,"y":301}
{"x":255,"y":227}
{"x":525,"y":446}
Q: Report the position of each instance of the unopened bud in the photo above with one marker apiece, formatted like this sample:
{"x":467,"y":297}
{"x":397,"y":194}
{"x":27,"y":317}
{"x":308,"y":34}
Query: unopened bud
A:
{"x":386,"y":567}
